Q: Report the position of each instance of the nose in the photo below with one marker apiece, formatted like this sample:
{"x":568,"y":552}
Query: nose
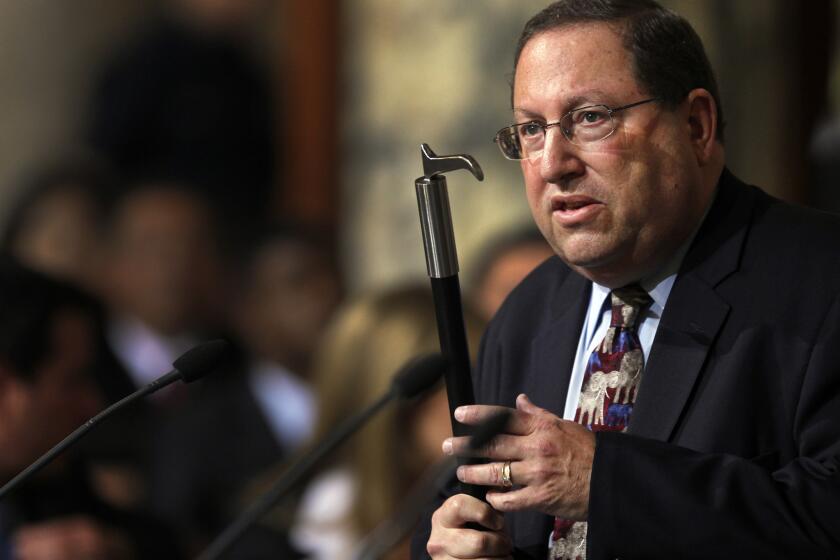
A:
{"x":560,"y":159}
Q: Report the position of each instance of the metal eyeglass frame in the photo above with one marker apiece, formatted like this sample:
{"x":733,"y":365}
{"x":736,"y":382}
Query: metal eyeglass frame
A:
{"x":511,"y":130}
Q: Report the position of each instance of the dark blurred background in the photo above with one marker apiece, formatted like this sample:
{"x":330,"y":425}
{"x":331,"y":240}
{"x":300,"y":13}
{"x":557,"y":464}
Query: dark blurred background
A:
{"x":324,"y":120}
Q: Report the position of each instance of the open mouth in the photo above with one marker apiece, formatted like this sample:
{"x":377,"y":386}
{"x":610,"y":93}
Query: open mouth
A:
{"x":572,"y":210}
{"x":571,"y":203}
{"x":564,"y":206}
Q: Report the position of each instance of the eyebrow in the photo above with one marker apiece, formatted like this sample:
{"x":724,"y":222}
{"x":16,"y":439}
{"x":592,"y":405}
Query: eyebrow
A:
{"x":570,"y":104}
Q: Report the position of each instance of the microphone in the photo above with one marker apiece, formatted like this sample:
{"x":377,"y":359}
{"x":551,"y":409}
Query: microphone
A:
{"x":190,"y":366}
{"x":391,"y":531}
{"x":412,"y":379}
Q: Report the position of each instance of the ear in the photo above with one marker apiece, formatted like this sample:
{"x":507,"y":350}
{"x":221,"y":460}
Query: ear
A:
{"x":702,"y":124}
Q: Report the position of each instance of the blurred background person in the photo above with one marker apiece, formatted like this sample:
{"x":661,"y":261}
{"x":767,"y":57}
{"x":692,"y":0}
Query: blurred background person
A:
{"x":368,"y":341}
{"x":55,"y":224}
{"x":264,"y":408}
{"x":51,"y":339}
{"x":163,"y":277}
{"x":56,"y":227}
{"x":289,"y":285}
{"x":505,"y":261}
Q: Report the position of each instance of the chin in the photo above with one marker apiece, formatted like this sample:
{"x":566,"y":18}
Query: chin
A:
{"x":596,"y":264}
{"x":586,"y":251}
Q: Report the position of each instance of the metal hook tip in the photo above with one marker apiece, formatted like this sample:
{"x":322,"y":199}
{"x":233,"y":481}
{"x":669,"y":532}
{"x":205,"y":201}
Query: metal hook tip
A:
{"x":434,"y":164}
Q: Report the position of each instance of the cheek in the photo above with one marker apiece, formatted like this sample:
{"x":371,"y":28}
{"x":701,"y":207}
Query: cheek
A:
{"x":631,"y":186}
{"x":535,"y":189}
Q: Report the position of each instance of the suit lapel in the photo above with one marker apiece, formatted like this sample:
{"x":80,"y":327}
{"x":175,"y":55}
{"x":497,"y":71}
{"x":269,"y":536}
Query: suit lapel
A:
{"x":694,"y":313}
{"x":553,"y":351}
{"x":552,"y":357}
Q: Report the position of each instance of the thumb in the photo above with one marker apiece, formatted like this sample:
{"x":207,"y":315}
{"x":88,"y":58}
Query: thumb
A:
{"x":524,"y":404}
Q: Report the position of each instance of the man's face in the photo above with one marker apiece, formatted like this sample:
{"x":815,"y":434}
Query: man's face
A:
{"x":615,"y":209}
{"x":163,"y":267}
{"x":291,"y":294}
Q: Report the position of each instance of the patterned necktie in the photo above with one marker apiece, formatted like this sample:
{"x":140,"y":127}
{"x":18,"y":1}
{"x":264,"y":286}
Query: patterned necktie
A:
{"x":610,"y":384}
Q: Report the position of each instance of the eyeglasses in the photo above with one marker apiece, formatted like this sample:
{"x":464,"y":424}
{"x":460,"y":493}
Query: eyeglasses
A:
{"x":580,"y":127}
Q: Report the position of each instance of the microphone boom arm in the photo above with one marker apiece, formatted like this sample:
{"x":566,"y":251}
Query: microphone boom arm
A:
{"x":290,"y":479}
{"x":190,"y":366}
{"x":82,"y":430}
{"x":415,"y":377}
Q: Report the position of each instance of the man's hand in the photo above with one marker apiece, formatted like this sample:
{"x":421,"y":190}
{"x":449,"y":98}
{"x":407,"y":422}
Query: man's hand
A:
{"x":451,"y":539}
{"x":68,"y":539}
{"x":550,"y":461}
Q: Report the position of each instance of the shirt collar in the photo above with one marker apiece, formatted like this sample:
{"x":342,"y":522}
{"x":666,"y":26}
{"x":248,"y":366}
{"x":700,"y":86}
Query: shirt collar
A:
{"x":657,"y":286}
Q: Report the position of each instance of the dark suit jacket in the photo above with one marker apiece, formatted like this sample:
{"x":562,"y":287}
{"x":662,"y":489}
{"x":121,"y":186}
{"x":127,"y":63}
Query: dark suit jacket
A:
{"x":206,"y":456}
{"x":733,"y":450}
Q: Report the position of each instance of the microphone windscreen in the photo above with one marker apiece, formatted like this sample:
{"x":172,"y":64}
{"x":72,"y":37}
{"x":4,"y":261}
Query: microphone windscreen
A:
{"x":418,"y":375}
{"x":489,"y":429}
{"x":197,"y":362}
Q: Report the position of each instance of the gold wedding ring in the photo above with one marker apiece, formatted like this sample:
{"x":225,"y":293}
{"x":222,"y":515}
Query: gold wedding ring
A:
{"x":507,"y":481}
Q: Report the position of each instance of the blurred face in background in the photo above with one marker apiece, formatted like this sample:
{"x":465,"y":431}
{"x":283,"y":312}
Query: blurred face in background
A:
{"x":163,"y":263}
{"x":291,"y":291}
{"x":505,"y":272}
{"x":59,"y":236}
{"x":60,"y":395}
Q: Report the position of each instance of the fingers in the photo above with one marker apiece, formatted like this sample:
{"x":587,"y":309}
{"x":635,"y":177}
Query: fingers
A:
{"x":523,"y":421}
{"x":492,"y":474}
{"x":469,"y":543}
{"x":513,"y":500}
{"x":524,"y":404}
{"x":518,"y":422}
{"x":500,"y":447}
{"x":461,"y":509}
{"x":450,"y":538}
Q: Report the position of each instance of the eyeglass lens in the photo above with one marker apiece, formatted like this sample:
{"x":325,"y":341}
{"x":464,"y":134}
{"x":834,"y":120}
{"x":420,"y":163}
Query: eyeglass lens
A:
{"x":527,"y":140}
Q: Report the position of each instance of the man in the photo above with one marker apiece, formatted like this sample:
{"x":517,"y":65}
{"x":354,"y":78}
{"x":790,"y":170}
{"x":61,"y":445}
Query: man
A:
{"x":689,"y":322}
{"x":161,"y":278}
{"x":264,"y":409}
{"x":50,"y":338}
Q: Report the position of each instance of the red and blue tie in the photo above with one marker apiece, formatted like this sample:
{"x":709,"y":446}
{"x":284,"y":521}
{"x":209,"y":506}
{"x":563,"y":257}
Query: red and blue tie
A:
{"x":610,"y":384}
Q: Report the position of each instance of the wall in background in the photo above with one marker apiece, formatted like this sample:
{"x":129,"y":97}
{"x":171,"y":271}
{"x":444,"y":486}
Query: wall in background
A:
{"x":50,"y":53}
{"x":407,"y":72}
